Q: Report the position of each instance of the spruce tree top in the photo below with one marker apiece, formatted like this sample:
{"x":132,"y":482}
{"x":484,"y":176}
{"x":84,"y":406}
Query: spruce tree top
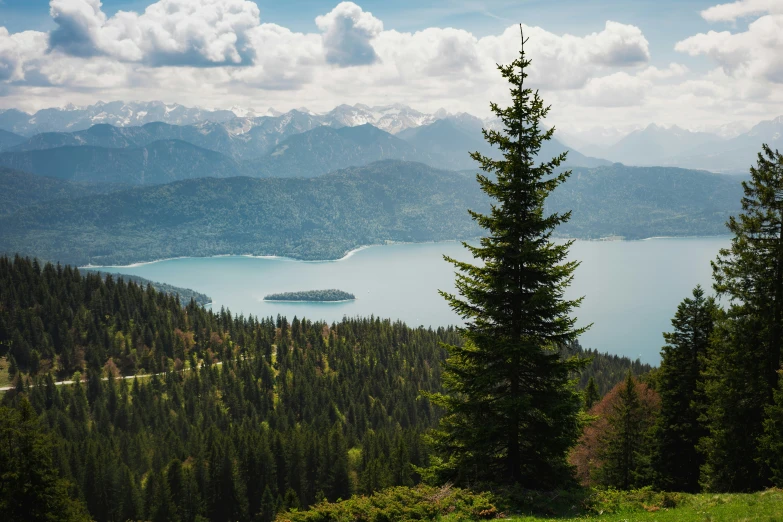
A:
{"x":519,"y":232}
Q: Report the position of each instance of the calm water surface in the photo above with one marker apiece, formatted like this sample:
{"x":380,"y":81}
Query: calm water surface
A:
{"x":631,"y":288}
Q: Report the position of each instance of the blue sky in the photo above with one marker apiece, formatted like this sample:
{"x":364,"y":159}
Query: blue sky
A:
{"x":709,"y":61}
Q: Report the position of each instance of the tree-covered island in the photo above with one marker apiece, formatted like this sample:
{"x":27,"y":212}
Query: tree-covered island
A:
{"x":312,"y":295}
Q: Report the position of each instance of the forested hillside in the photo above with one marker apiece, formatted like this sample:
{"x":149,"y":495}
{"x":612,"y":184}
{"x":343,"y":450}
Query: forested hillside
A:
{"x":21,"y":189}
{"x":642,"y":202}
{"x":249,"y":416}
{"x":318,"y":218}
{"x":324,"y":217}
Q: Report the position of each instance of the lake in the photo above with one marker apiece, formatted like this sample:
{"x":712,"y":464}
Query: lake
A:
{"x":631,"y":288}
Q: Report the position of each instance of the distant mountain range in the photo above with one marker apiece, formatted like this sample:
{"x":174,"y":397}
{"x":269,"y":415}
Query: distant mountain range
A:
{"x":440,"y":139}
{"x":656,"y":145}
{"x":391,"y":118}
{"x":323,"y":217}
{"x":291,"y":145}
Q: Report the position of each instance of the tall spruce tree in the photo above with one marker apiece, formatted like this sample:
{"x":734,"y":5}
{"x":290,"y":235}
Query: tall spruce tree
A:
{"x":677,"y":462}
{"x":511,"y":412}
{"x":742,"y":373}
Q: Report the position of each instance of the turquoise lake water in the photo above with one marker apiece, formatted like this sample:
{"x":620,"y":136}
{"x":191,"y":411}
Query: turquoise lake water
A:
{"x":631,"y":288}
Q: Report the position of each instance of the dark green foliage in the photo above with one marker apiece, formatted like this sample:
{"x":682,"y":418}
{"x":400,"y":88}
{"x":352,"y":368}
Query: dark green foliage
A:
{"x":605,"y":369}
{"x":311,"y":295}
{"x":742,"y":372}
{"x":31,"y":487}
{"x":625,"y":447}
{"x":591,"y":394}
{"x":265,"y":405}
{"x":511,"y":410}
{"x":771,"y":443}
{"x":680,"y":382}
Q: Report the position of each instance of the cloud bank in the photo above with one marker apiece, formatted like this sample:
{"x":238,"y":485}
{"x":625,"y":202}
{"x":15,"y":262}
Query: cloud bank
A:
{"x":220,"y":53}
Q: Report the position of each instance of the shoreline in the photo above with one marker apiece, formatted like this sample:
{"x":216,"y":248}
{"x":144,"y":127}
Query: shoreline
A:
{"x":295,"y":301}
{"x":352,"y":252}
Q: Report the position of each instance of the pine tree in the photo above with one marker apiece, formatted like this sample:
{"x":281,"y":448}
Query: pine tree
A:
{"x":591,"y":394}
{"x":30,"y":485}
{"x":677,"y":461}
{"x":624,"y":448}
{"x":742,"y":373}
{"x":511,"y":411}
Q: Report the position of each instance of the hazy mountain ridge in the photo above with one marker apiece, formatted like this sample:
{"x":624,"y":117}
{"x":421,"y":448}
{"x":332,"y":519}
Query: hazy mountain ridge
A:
{"x":9,"y":139}
{"x":453,"y":138}
{"x":323,"y":217}
{"x":325,"y":149}
{"x":158,"y":162}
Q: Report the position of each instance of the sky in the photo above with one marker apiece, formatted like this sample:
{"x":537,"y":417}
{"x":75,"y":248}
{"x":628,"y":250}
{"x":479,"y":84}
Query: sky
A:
{"x":698,"y":64}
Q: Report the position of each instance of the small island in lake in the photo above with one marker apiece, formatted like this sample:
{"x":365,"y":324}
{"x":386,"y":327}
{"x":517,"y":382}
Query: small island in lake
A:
{"x":330,"y":295}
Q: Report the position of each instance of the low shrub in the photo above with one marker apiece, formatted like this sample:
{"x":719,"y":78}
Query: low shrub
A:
{"x":401,"y":504}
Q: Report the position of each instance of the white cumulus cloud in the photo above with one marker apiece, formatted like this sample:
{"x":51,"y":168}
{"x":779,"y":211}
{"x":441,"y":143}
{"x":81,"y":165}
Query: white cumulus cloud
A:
{"x":756,"y":53}
{"x":168,"y":32}
{"x":740,"y":9}
{"x":348,"y":32}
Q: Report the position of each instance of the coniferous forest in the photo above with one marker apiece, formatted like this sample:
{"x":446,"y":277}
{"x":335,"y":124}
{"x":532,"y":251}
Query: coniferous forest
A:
{"x":124,"y":402}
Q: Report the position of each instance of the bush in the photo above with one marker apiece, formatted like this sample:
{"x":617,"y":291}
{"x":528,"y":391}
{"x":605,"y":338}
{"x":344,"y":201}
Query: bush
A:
{"x":400,"y":504}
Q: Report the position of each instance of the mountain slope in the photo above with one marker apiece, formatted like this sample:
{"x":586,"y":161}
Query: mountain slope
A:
{"x":654,"y":144}
{"x":21,"y":189}
{"x":325,"y":149}
{"x":158,"y":162}
{"x":9,"y":139}
{"x":323,"y":217}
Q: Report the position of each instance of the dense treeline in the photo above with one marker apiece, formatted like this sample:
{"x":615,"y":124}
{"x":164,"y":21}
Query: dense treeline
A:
{"x":246,"y":416}
{"x":719,"y":421}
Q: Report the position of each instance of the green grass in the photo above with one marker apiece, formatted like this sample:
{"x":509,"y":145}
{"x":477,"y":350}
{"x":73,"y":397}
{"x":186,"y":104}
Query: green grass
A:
{"x":454,"y":505}
{"x":766,"y":506}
